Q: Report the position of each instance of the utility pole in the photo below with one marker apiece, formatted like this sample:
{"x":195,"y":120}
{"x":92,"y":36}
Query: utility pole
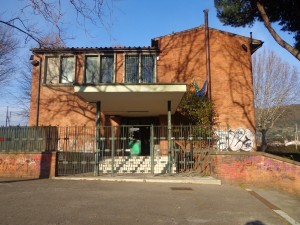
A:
{"x":8,"y":116}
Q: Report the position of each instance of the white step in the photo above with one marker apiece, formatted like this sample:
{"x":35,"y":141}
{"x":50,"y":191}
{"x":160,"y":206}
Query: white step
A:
{"x":135,"y":164}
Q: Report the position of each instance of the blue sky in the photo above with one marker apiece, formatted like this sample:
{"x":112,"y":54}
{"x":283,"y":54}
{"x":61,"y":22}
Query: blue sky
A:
{"x":130,"y":23}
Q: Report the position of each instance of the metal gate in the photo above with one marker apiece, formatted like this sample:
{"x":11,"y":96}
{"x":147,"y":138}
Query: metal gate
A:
{"x":188,"y":150}
{"x":123,"y":149}
{"x":76,"y":151}
{"x":191,"y":146}
{"x":132,"y":149}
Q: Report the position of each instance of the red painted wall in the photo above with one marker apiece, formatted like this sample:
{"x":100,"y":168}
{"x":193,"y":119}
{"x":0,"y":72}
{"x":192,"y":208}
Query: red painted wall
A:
{"x":29,"y":165}
{"x":257,"y":169}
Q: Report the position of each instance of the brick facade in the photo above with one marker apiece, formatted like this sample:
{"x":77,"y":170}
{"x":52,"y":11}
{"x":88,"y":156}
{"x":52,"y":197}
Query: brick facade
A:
{"x":181,"y":57}
{"x":27,"y":165}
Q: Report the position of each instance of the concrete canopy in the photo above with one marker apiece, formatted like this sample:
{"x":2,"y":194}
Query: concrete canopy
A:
{"x":133,"y":99}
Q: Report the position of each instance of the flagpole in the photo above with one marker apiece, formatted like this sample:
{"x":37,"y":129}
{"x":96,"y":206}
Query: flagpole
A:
{"x":207,"y":54}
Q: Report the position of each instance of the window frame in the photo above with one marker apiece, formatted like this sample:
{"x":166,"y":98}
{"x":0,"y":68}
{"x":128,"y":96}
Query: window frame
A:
{"x":85,"y":67}
{"x":139,"y":54}
{"x":99,"y":56}
{"x":61,"y":69}
{"x":59,"y":57}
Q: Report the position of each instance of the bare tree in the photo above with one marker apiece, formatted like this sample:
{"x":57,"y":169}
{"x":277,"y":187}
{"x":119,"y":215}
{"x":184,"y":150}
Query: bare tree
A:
{"x":52,"y":13}
{"x":25,"y":76}
{"x":51,"y":40}
{"x":8,"y":46}
{"x":24,"y":84}
{"x":276,"y":86}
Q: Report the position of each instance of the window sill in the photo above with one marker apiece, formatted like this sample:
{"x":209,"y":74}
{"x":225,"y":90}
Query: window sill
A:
{"x":58,"y":85}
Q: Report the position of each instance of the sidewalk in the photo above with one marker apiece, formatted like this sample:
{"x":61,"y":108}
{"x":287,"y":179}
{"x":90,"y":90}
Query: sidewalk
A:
{"x":142,"y":199}
{"x":284,"y":204}
{"x":148,"y":178}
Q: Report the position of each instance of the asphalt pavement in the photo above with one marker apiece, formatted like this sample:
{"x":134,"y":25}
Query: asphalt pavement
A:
{"x":89,"y":201}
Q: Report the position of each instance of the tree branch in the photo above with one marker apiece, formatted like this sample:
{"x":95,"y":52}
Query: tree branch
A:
{"x":276,"y":37}
{"x":23,"y":31}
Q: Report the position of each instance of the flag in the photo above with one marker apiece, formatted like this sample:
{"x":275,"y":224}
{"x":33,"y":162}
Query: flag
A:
{"x":196,"y":86}
{"x":200,"y":92}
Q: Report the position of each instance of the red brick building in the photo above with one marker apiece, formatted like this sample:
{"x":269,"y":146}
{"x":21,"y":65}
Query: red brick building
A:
{"x":133,"y":85}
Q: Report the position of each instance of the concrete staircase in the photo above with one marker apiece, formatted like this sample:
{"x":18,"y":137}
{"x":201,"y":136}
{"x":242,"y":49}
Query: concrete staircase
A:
{"x":135,"y":164}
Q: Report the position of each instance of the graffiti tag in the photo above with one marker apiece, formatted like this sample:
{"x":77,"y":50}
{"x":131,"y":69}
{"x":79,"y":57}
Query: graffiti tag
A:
{"x":235,"y":140}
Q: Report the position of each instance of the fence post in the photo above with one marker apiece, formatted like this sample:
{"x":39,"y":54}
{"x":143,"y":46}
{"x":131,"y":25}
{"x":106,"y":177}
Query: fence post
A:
{"x":152,"y":149}
{"x":96,"y":172}
{"x":98,"y":120}
{"x":112,"y":150}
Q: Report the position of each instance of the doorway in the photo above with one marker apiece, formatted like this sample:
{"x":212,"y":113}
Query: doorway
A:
{"x":141,"y":130}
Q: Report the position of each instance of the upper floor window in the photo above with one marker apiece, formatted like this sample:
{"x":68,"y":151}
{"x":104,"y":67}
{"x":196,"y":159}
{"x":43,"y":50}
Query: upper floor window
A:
{"x":60,"y":69}
{"x":67,"y":70}
{"x":99,"y":69}
{"x":139,"y":68}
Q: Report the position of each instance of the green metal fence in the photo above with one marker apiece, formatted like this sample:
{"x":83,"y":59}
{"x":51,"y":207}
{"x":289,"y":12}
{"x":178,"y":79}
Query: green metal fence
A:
{"x":190,"y":148}
{"x":109,"y":149}
{"x":28,"y":139}
{"x":76,"y":150}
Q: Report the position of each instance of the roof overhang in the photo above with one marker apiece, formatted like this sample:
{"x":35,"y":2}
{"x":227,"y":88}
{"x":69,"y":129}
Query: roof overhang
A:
{"x":133,"y":99}
{"x":79,"y":50}
{"x":255,"y":44}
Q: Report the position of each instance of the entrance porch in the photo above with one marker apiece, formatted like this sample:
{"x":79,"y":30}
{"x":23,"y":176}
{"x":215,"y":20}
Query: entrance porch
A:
{"x":133,"y":147}
{"x":133,"y":100}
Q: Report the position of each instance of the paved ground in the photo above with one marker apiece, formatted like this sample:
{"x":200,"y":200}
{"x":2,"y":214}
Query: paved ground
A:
{"x":104,"y":202}
{"x":288,"y":203}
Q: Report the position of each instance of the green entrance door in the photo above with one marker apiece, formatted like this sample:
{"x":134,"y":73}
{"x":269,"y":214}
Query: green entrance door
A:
{"x":140,"y":133}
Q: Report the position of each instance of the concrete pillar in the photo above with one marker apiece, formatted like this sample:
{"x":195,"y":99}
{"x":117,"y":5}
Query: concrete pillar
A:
{"x":169,"y":138}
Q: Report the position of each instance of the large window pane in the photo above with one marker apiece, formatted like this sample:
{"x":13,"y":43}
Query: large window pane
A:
{"x":131,"y":69}
{"x":52,"y":70}
{"x":92,"y":69}
{"x":107,"y":69}
{"x":147,"y":69}
{"x":67,"y":69}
